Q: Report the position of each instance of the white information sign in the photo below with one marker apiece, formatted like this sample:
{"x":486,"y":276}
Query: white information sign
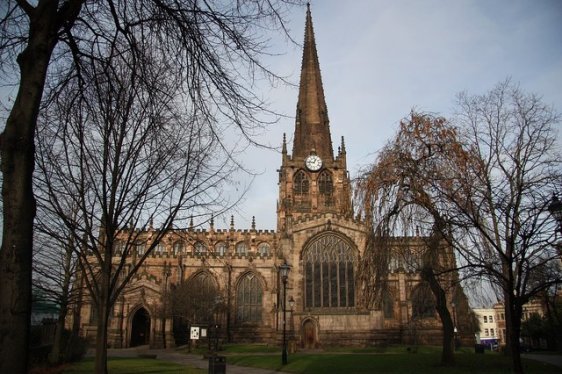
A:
{"x":194,"y":333}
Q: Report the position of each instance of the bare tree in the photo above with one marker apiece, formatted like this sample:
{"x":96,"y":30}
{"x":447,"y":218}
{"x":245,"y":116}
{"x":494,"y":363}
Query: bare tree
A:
{"x":55,"y":268}
{"x":500,"y":205}
{"x":397,"y":194}
{"x":485,"y":183}
{"x":210,"y":46}
{"x":123,"y":147}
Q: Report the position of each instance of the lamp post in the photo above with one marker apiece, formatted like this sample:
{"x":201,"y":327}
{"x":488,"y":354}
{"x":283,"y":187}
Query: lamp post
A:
{"x":455,"y":331}
{"x":555,"y":208}
{"x":284,"y":273}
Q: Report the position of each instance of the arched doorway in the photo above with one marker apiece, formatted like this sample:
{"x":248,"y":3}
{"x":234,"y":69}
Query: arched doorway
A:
{"x":309,"y":334}
{"x":140,"y":329}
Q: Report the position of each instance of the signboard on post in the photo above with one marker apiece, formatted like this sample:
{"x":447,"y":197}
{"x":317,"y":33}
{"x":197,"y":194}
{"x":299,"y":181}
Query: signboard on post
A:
{"x":194,"y":333}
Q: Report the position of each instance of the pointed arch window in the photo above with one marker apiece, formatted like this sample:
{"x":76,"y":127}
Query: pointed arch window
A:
{"x":264,"y":249}
{"x":221,"y":249}
{"x":301,"y":184}
{"x":202,"y":293}
{"x":200,"y":249}
{"x":241,"y":249}
{"x":329,"y":279}
{"x":178,"y":246}
{"x":325,"y":184}
{"x":423,"y":301}
{"x":249,"y":295}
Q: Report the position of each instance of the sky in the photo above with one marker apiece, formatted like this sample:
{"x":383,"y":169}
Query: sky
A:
{"x":380,"y":59}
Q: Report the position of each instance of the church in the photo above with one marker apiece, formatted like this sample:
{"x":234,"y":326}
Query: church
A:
{"x":250,"y":284}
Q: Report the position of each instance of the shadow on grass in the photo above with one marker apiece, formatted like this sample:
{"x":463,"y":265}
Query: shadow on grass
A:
{"x":351,"y":363}
{"x":132,"y":365}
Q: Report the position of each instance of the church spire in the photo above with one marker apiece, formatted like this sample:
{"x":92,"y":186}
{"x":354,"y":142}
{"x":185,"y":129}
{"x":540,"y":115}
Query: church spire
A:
{"x":312,"y":127}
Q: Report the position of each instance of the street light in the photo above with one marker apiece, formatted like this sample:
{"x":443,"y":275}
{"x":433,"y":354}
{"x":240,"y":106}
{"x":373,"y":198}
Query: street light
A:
{"x":555,"y":208}
{"x":455,"y":324}
{"x":284,"y":272}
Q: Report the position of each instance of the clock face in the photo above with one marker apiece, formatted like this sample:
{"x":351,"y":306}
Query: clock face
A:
{"x":313,"y":162}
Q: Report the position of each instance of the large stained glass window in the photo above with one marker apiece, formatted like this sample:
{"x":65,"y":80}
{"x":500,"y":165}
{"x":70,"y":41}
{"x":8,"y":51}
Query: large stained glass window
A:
{"x":423,"y":301}
{"x":329,"y":280}
{"x":249,"y":296}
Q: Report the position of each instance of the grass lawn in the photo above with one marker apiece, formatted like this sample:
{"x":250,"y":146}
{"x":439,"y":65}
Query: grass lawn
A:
{"x":132,"y":365}
{"x":395,"y":360}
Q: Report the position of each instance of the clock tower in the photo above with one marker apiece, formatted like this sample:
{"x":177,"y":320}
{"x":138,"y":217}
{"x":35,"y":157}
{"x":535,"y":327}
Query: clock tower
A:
{"x":311,"y":180}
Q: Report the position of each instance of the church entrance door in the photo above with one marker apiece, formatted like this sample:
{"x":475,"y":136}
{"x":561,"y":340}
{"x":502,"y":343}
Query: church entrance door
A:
{"x":140,"y":329}
{"x":309,"y":335}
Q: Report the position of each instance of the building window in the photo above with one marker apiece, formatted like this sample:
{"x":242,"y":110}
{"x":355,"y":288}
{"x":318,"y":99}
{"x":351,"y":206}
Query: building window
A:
{"x":178,"y":246}
{"x":200,"y":248}
{"x":301,"y":183}
{"x":264,"y":249}
{"x":423,"y":301}
{"x":140,"y":248}
{"x":241,"y":249}
{"x":485,"y":319}
{"x":221,"y":249}
{"x":160,"y":248}
{"x":202,"y":292}
{"x":502,"y":317}
{"x":486,"y":332}
{"x":491,"y":319}
{"x":329,"y":280}
{"x":492,"y":332}
{"x":249,"y":296}
{"x":325,"y":185}
{"x":388,"y":305}
{"x":119,"y":247}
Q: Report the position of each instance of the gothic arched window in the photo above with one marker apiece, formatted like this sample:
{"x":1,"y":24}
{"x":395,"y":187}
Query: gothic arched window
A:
{"x":178,"y":246}
{"x":200,"y":248}
{"x":241,"y":249}
{"x":221,"y":249}
{"x":388,"y":304}
{"x":329,"y":280}
{"x":301,"y":183}
{"x":249,"y":296}
{"x":202,"y":292}
{"x":423,"y":301}
{"x":325,"y":184}
{"x":264,"y":249}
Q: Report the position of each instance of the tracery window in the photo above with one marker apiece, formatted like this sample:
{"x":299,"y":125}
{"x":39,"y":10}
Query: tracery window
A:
{"x":264,"y":249}
{"x":329,"y":280}
{"x":221,"y":249}
{"x":160,"y":248}
{"x":140,"y":248}
{"x":249,"y":296}
{"x":325,"y":185}
{"x":388,"y":304}
{"x":178,"y":246}
{"x":423,"y":301}
{"x":200,"y":248}
{"x":241,"y":249}
{"x":119,"y":247}
{"x":301,"y":183}
{"x":202,"y":292}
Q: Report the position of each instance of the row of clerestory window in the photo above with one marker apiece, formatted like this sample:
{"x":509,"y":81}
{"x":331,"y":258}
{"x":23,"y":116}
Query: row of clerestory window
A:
{"x":199,"y":248}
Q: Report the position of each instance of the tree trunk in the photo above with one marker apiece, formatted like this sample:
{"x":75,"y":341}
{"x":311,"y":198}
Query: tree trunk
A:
{"x":55,"y":356}
{"x":101,"y":341}
{"x":448,"y":348}
{"x":17,"y":154}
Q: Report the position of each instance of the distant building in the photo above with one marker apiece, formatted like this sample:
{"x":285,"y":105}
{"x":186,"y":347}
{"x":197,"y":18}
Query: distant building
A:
{"x":532,"y":307}
{"x":488,"y":322}
{"x":237,"y":270}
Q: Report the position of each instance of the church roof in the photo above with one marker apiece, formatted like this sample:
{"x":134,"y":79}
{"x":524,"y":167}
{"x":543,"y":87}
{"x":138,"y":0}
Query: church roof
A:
{"x":312,"y":127}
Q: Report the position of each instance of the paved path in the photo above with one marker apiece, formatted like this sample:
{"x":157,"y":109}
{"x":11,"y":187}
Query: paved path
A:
{"x":555,"y":360}
{"x":184,"y":359}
